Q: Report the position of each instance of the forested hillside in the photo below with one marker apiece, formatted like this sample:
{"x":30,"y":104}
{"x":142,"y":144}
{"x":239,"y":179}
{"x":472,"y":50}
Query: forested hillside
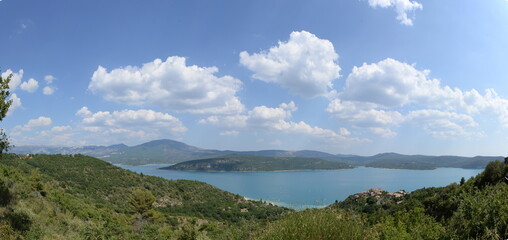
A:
{"x":474,"y":209}
{"x":80,"y":197}
{"x":237,"y":162}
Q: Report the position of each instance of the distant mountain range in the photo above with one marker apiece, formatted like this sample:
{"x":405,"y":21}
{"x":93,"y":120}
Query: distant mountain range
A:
{"x":167,"y":151}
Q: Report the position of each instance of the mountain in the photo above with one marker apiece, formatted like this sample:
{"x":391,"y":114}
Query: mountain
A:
{"x":236,"y":162}
{"x":400,"y":161}
{"x":153,"y":152}
{"x":167,"y":151}
{"x":162,"y":151}
{"x":159,"y":151}
{"x":86,"y":150}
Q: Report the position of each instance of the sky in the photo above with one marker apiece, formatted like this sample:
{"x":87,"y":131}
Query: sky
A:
{"x":340,"y":76}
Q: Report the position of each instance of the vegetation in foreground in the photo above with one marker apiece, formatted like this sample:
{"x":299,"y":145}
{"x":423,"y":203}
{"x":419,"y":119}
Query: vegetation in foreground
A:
{"x":80,"y":197}
{"x":475,"y":209}
{"x":237,"y":162}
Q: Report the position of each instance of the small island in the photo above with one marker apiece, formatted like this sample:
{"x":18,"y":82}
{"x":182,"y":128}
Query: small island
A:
{"x":251,"y":163}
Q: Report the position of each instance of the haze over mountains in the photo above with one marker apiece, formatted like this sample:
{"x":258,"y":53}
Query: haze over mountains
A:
{"x":167,"y":151}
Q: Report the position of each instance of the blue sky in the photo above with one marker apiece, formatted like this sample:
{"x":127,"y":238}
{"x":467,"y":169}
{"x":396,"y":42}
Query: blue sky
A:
{"x":341,"y":76}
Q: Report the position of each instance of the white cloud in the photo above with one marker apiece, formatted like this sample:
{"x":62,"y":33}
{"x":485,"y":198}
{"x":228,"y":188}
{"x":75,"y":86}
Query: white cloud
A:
{"x":34,"y":123}
{"x":83,"y":112}
{"x":363,"y":115}
{"x":344,"y":132}
{"x":375,"y":96}
{"x":232,"y":121}
{"x":170,"y":84}
{"x":266,"y":119}
{"x":48,"y":90}
{"x":305,"y":64}
{"x":402,"y":8}
{"x":130,"y":125}
{"x":49,"y":79}
{"x":390,"y":83}
{"x":443,"y":124}
{"x":383,"y":132}
{"x":57,"y":135}
{"x":15,"y":79}
{"x":61,"y":128}
{"x":55,"y":131}
{"x":229,"y":133}
{"x":16,"y":103}
{"x":262,"y":115}
{"x":30,"y":86}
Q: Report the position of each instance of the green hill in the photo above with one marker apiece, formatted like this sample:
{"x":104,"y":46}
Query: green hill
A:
{"x":473,"y":209}
{"x":400,"y":161}
{"x":236,"y":162}
{"x":158,"y":151}
{"x":80,"y":197}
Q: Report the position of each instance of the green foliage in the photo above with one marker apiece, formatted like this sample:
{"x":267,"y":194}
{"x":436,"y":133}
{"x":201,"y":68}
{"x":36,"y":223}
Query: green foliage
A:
{"x":494,"y":173}
{"x":475,"y":209}
{"x":6,"y":197}
{"x":236,"y":162}
{"x":317,"y":225}
{"x":79,"y":197}
{"x":18,"y":219}
{"x":410,"y":225}
{"x":4,"y":108}
{"x":482,"y":214}
{"x":141,"y":200}
{"x":421,"y":162}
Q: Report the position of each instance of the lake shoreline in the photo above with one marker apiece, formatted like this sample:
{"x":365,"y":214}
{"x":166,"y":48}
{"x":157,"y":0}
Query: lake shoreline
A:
{"x":312,"y":188}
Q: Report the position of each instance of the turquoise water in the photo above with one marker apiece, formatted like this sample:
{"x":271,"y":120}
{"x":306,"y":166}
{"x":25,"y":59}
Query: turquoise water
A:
{"x":309,"y":189}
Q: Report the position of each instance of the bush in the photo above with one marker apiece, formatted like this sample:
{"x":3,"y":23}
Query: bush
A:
{"x":317,"y":225}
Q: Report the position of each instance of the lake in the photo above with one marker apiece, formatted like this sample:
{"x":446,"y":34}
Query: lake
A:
{"x":314,"y":189}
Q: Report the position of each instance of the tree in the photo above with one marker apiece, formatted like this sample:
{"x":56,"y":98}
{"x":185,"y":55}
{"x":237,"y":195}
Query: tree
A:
{"x":4,"y":107}
{"x":141,"y":200}
{"x":462,"y":181}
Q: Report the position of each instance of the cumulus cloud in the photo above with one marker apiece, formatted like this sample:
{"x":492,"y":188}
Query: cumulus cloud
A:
{"x":34,"y":123}
{"x":130,"y":125}
{"x":170,"y":85}
{"x":61,"y":128}
{"x":363,"y":115}
{"x":375,"y":95}
{"x":305,"y":64}
{"x":443,"y":124}
{"x":16,"y":103}
{"x":49,"y":79}
{"x":47,"y":90}
{"x":15,"y":79}
{"x":267,"y":119}
{"x":30,"y":86}
{"x":56,"y":130}
{"x":402,"y":8}
{"x":57,"y":135}
{"x":383,"y":132}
